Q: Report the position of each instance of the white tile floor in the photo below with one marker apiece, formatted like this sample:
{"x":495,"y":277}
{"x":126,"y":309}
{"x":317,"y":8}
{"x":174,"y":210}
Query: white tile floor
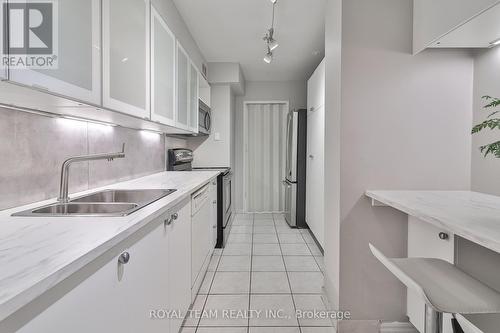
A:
{"x":266,"y":265}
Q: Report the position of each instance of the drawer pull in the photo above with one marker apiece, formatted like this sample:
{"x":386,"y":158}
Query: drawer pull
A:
{"x":168,"y":221}
{"x":124,"y":258}
{"x":443,"y":236}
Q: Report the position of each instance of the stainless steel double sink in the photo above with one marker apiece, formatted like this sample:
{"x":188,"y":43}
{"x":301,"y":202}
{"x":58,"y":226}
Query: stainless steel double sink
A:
{"x":107,"y":203}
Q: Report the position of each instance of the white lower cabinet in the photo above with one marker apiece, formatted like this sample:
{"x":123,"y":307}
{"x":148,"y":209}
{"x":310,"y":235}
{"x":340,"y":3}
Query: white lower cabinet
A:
{"x":120,"y":297}
{"x":424,"y":242}
{"x":179,"y":262}
{"x":201,"y":231}
{"x":213,"y":196}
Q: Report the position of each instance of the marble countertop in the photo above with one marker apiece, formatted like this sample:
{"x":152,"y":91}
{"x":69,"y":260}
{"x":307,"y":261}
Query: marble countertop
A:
{"x":36,"y":253}
{"x":470,"y":215}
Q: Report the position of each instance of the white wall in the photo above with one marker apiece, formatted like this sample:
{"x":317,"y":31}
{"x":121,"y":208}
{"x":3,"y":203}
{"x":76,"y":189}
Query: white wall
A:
{"x":293,"y":91}
{"x":333,"y":54}
{"x":486,"y":82}
{"x":207,"y":150}
{"x":404,"y":124}
{"x":436,"y":18}
{"x":177,"y":25}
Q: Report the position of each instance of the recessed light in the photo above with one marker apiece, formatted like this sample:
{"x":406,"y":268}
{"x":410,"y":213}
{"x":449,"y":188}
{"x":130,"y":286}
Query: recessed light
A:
{"x":495,"y":42}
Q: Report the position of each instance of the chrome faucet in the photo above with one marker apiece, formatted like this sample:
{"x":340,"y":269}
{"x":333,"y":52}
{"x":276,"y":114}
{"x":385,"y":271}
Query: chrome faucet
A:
{"x":63,"y":189}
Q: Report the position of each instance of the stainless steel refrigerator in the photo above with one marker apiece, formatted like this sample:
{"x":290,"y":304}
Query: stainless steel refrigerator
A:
{"x":295,"y":172}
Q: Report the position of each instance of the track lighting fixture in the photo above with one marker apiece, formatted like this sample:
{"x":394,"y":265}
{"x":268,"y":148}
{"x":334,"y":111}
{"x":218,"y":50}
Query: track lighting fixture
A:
{"x":271,"y":43}
{"x":495,"y":42}
{"x":269,"y":56}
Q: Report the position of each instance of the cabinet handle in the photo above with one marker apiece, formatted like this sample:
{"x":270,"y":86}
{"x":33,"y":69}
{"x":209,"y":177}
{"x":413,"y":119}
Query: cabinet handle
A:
{"x":214,"y":183}
{"x":124,"y":258}
{"x":311,"y":156}
{"x":214,"y":202}
{"x":168,"y":221}
{"x":311,"y":109}
{"x":443,"y":236}
{"x":175,"y":216}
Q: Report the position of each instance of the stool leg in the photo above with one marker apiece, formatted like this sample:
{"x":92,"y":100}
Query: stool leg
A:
{"x":433,"y":320}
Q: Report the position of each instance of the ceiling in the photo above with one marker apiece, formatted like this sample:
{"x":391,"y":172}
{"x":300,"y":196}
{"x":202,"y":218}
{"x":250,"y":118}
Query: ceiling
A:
{"x":232,"y":31}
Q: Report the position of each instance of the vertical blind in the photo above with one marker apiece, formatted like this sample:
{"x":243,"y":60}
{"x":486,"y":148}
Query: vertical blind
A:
{"x":265,"y":156}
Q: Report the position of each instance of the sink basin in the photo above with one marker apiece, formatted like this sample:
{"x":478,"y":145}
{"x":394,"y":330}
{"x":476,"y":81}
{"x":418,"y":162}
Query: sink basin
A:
{"x":103,"y":203}
{"x":129,"y":196}
{"x":82,"y":209}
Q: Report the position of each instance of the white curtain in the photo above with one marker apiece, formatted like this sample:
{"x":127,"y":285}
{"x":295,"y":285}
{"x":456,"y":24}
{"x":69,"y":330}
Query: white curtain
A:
{"x":265,"y":135}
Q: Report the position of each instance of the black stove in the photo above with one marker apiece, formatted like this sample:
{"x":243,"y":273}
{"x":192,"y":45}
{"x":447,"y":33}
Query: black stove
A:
{"x":181,"y":159}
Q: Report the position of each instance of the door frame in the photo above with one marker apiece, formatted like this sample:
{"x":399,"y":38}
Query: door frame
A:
{"x":245,"y":141}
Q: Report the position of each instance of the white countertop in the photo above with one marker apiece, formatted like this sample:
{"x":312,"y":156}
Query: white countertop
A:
{"x":470,"y":215}
{"x":36,"y":253}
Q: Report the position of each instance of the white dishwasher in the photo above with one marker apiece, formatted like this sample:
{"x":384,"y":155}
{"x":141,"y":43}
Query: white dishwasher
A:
{"x":201,"y":233}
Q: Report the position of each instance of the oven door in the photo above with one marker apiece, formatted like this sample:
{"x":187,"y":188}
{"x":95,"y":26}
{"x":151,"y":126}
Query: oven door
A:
{"x":226,"y":195}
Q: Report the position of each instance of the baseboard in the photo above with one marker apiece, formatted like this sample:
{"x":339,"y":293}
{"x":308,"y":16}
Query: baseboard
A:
{"x":397,"y":327}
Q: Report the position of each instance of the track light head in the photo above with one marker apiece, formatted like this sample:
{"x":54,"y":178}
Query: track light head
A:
{"x":269,"y":57}
{"x":274,"y":1}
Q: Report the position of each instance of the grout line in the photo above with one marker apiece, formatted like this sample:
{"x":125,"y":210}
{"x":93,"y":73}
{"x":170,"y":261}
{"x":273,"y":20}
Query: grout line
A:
{"x":287,"y":277}
{"x":251,"y":271}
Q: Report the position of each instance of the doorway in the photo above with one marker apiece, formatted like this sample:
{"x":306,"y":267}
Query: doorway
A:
{"x":264,"y":157}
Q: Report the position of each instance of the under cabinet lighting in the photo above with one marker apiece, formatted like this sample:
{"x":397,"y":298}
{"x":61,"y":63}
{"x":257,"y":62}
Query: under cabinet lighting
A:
{"x":89,"y":121}
{"x":495,"y":42}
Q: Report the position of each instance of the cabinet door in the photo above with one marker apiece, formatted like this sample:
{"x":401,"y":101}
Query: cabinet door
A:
{"x":144,"y":283}
{"x":193,"y":98}
{"x":315,"y":173}
{"x":179,"y":260}
{"x":126,"y":56}
{"x":162,"y":71}
{"x":3,"y":69}
{"x":78,"y":72}
{"x":213,"y":220}
{"x":182,"y":88}
{"x":316,"y":88}
{"x":117,"y":297}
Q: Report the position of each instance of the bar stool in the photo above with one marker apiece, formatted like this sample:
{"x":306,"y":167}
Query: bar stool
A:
{"x":444,"y":288}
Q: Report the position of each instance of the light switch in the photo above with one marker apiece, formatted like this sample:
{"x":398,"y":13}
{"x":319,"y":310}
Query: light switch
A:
{"x":217,"y":136}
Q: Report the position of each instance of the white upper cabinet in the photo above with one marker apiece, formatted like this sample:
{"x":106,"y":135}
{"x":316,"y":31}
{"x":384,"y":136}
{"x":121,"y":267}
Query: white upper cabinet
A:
{"x":193,"y":98}
{"x":3,"y":69}
{"x":162,"y":71}
{"x":204,"y":90}
{"x":77,"y":75}
{"x":126,"y":56}
{"x":316,"y":88}
{"x":455,"y":24}
{"x":183,"y":87}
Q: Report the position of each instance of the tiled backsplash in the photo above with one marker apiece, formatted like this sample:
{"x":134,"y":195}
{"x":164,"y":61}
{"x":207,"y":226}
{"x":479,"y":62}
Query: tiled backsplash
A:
{"x":33,"y":148}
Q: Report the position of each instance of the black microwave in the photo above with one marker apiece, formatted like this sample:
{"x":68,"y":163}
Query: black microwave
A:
{"x":204,"y":119}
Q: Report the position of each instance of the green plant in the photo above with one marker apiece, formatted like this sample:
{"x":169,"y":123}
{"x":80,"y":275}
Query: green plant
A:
{"x":491,"y":123}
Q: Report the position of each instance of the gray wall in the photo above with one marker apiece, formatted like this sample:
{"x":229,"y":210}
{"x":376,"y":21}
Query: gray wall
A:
{"x":209,"y":152}
{"x":405,"y":124}
{"x":486,"y":82}
{"x":33,"y":148}
{"x":293,"y":91}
